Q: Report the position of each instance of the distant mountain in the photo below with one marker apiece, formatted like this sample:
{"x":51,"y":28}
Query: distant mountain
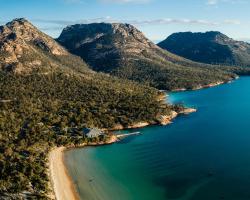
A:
{"x":122,"y":50}
{"x":24,"y":48}
{"x":209,"y":47}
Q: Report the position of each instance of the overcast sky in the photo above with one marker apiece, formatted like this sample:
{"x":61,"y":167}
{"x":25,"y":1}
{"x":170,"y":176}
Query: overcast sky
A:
{"x":156,"y":18}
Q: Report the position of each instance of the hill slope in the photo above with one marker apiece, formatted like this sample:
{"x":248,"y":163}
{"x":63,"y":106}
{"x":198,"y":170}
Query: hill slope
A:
{"x":209,"y":47}
{"x":122,"y":50}
{"x":47,"y":97}
{"x":24,"y":48}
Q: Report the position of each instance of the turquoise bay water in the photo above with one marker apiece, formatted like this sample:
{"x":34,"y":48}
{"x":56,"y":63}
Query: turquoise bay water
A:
{"x":203,"y":156}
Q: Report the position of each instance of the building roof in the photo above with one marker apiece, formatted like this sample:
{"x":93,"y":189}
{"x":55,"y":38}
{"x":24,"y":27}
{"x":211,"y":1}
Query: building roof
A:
{"x":91,"y":133}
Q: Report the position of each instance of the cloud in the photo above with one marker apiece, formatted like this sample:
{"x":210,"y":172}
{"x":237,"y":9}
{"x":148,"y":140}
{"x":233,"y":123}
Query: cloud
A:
{"x":185,"y":21}
{"x":71,"y":22}
{"x":245,"y":39}
{"x":172,"y":21}
{"x":53,"y":25}
{"x":216,"y":2}
{"x":165,"y":21}
{"x":58,"y":22}
{"x":232,"y":21}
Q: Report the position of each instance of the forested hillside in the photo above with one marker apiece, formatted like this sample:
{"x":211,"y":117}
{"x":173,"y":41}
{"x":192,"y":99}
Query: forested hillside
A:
{"x":47,"y":96}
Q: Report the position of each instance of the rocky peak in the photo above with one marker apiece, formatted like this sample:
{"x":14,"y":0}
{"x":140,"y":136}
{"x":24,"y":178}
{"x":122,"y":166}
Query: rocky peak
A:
{"x":128,"y":30}
{"x":219,"y":37}
{"x":18,"y":23}
{"x":21,"y":43}
{"x":18,"y":28}
{"x":98,"y":28}
{"x":77,"y":35}
{"x":22,"y":31}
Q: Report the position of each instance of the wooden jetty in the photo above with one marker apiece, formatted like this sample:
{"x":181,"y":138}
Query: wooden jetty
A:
{"x":120,"y":136}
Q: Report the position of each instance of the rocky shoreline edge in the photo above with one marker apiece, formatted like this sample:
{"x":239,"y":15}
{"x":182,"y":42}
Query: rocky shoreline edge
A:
{"x":206,"y":86}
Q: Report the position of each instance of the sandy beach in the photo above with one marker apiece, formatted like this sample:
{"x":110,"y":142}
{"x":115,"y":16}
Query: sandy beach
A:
{"x":61,"y":182}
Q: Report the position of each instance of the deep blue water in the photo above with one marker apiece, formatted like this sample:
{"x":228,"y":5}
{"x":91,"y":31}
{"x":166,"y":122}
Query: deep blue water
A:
{"x":203,"y":156}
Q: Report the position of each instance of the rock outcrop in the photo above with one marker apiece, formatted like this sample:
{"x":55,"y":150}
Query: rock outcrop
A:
{"x":24,"y":48}
{"x":102,"y":44}
{"x":167,"y":119}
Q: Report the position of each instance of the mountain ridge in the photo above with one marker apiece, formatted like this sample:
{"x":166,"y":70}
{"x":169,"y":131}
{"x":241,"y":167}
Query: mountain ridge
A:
{"x":24,"y":48}
{"x":211,"y":47}
{"x":122,"y":50}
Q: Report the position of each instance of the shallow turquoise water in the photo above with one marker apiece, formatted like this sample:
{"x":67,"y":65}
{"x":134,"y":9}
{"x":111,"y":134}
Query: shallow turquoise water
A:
{"x":203,"y":156}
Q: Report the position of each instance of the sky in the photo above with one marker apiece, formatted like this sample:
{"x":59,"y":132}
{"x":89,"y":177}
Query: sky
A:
{"x":157,"y":19}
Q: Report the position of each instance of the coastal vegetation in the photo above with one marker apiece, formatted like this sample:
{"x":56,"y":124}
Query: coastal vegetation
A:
{"x":47,"y":97}
{"x":38,"y":112}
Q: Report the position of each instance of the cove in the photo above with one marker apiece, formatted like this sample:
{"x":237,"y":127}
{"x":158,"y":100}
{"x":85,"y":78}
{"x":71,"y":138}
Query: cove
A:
{"x":202,"y":156}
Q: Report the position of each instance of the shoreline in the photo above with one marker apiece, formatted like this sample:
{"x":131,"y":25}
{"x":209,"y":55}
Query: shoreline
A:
{"x":61,"y":182}
{"x":211,"y":85}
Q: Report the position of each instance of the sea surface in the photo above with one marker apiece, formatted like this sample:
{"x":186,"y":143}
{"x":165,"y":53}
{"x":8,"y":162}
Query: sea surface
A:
{"x":202,"y":156}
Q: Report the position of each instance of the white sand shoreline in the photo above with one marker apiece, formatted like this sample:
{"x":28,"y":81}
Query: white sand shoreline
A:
{"x":63,"y":187}
{"x":61,"y":182}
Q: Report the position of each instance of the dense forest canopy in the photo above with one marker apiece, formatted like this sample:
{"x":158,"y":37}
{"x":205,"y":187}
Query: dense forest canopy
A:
{"x":47,"y":96}
{"x":41,"y":111}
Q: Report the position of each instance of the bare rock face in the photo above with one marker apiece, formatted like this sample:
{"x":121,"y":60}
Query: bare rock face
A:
{"x":167,"y":119}
{"x":22,"y":46}
{"x":105,"y":46}
{"x":20,"y":30}
{"x":80,"y":34}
